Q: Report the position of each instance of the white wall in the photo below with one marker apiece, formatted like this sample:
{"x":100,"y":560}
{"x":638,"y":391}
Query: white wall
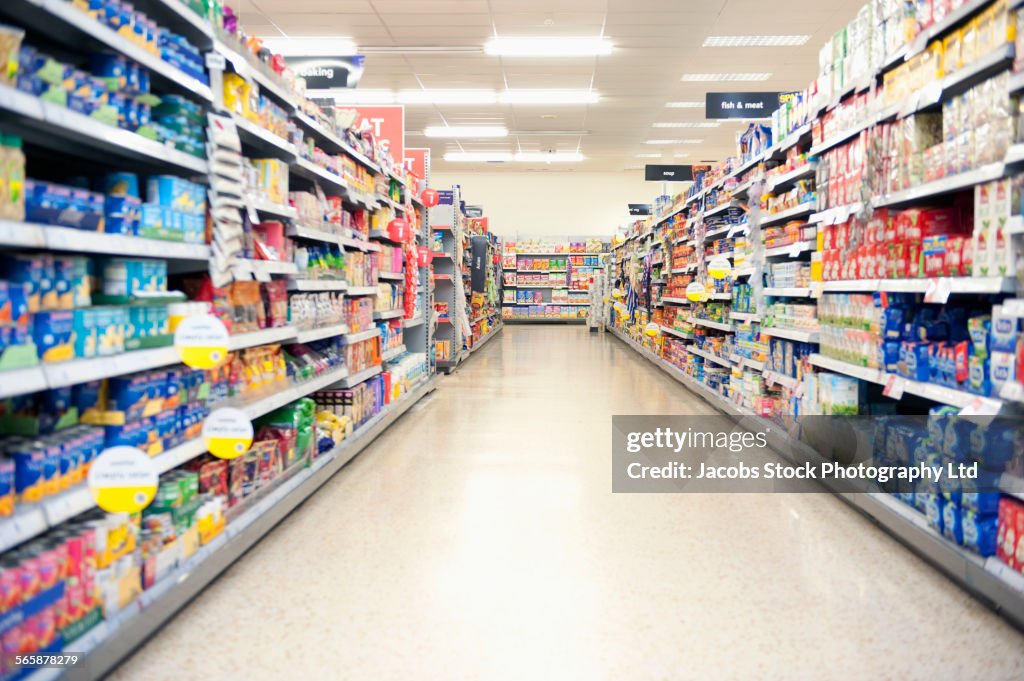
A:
{"x":553,"y":203}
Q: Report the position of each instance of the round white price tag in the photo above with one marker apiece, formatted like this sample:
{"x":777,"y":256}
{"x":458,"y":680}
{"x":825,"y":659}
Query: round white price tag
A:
{"x":227,"y":433}
{"x":201,"y":341}
{"x":123,"y":480}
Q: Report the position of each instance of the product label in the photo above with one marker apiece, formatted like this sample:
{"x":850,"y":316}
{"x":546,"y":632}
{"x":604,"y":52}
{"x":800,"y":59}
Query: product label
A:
{"x":201,"y":342}
{"x":123,"y":480}
{"x":227,"y":433}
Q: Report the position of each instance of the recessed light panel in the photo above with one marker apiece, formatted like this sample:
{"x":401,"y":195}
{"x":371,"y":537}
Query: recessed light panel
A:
{"x":755,"y":40}
{"x":722,"y":77}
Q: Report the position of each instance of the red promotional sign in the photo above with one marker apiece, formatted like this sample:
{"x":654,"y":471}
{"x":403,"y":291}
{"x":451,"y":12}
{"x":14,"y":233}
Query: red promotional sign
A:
{"x":387,"y":123}
{"x":423,"y":256}
{"x":416,"y":159}
{"x":397,"y":229}
{"x":430,"y":197}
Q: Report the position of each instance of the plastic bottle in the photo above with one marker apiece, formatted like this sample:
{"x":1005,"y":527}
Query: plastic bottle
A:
{"x":6,"y":209}
{"x":15,"y":161}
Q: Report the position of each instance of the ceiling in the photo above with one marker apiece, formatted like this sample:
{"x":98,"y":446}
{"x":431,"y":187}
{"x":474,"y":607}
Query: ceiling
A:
{"x":656,"y":42}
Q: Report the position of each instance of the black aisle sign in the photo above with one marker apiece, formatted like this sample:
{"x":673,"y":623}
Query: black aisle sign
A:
{"x":741,"y":104}
{"x":328,"y":73}
{"x":478,"y":264}
{"x":668,"y":173}
{"x":639,"y":209}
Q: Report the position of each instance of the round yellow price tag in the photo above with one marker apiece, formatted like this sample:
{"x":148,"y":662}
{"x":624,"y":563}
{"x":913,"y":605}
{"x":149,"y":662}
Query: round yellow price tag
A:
{"x":227,"y":433}
{"x":719,"y":267}
{"x":201,"y":341}
{"x":123,"y":480}
{"x":652,"y":329}
{"x":696,"y":292}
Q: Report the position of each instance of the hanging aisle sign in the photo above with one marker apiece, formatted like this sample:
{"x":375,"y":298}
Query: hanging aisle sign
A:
{"x":668,"y":173}
{"x":416,"y":160}
{"x":639,"y":209}
{"x":328,"y":73}
{"x":721,"y":105}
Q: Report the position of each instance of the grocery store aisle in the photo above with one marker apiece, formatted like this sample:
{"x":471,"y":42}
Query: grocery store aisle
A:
{"x":478,"y":539}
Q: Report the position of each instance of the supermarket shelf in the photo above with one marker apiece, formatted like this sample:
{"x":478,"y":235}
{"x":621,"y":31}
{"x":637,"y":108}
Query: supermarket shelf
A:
{"x":710,"y":324}
{"x":388,"y":314}
{"x":258,"y":137}
{"x":709,"y":356}
{"x":382,"y":234}
{"x":545,"y":320}
{"x":29,"y":235}
{"x":359,"y":244}
{"x":720,"y":296}
{"x":929,"y":391}
{"x":773,"y":377}
{"x":270,"y":208}
{"x":787,"y":292}
{"x":487,"y":338}
{"x":787,"y":180}
{"x":745,"y":316}
{"x":112,"y":640}
{"x":804,"y":209}
{"x":747,"y":363}
{"x":946,"y":185}
{"x":536,"y":286}
{"x":391,"y":276}
{"x":743,"y":189}
{"x":675,"y":301}
{"x":63,"y":22}
{"x":319,"y":334}
{"x":250,"y":72}
{"x":1015,"y":154}
{"x":355,"y":379}
{"x":836,"y":215}
{"x":336,"y":142}
{"x":264,"y":267}
{"x":541,"y":271}
{"x":305,"y":168}
{"x":415,"y":321}
{"x":742,"y":272}
{"x":712,"y":233}
{"x":570,"y":304}
{"x":1016,"y":83}
{"x":791,"y":250}
{"x":254,"y":338}
{"x":391,"y":353}
{"x":675,"y":332}
{"x":314,"y":234}
{"x":791,"y":334}
{"x":840,"y":138}
{"x":718,"y":210}
{"x":955,"y":285}
{"x":179,"y":18}
{"x":317,"y":285}
{"x":362,"y":290}
{"x":988,"y":578}
{"x":778,"y":151}
{"x":350,"y":338}
{"x":57,"y":126}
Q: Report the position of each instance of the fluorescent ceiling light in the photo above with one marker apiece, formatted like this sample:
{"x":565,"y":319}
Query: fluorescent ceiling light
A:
{"x":679,"y":154}
{"x":646,"y":155}
{"x":711,"y":77}
{"x":755,"y":40}
{"x":323,"y":46}
{"x":554,"y":96}
{"x":521,"y":157}
{"x":355,"y":96}
{"x":478,"y":156}
{"x":688,"y":124}
{"x":684,"y":105}
{"x":465,"y":131}
{"x":685,"y":141}
{"x":549,"y":157}
{"x":447,"y":97}
{"x":548,"y":46}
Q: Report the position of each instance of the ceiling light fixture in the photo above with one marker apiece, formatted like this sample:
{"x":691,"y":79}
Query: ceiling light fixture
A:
{"x":548,"y":46}
{"x":688,"y":124}
{"x":478,"y":156}
{"x":646,"y":155}
{"x":554,"y":96}
{"x":322,"y":46}
{"x":684,"y":141}
{"x":712,"y":77}
{"x":466,"y":96}
{"x":354,"y":96}
{"x":755,"y":40}
{"x":549,"y":157}
{"x":469,"y":131}
{"x":684,"y":105}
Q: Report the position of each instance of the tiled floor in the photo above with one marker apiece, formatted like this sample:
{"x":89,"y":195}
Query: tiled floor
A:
{"x":478,"y":539}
